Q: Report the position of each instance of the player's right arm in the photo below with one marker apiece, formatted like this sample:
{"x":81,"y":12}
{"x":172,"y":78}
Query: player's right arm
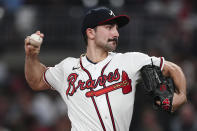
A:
{"x":33,"y":68}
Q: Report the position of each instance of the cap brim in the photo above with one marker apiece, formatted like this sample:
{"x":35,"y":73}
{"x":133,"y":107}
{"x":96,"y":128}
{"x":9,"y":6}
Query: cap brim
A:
{"x":121,"y":20}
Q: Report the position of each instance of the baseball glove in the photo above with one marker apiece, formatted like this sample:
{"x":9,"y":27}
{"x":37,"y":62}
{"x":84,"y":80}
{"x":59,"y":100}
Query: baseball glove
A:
{"x":161,"y":88}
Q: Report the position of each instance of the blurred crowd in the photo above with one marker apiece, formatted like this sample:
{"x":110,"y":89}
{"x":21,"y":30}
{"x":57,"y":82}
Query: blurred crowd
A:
{"x":158,"y":27}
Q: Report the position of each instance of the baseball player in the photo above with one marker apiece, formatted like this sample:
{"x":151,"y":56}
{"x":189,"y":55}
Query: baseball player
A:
{"x":99,"y":87}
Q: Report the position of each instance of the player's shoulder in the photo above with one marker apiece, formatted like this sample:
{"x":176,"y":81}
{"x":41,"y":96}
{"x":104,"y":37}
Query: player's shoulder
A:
{"x":135,"y":54}
{"x":130,"y":55}
{"x":70,"y":60}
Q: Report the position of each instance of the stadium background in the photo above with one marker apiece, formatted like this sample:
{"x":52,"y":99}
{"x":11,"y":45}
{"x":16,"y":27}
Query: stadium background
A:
{"x":158,"y":27}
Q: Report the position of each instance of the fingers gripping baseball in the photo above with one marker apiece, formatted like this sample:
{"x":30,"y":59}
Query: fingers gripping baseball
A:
{"x":33,"y":44}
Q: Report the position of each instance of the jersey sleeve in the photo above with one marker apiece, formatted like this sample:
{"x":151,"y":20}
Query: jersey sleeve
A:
{"x":53,"y":76}
{"x":141,"y":60}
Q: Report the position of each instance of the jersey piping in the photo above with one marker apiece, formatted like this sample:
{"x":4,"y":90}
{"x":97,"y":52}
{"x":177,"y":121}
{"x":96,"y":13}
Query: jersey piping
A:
{"x":107,"y":98}
{"x":93,"y":100}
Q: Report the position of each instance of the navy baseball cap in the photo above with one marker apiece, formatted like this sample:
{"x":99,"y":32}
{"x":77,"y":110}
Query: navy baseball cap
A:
{"x":102,"y":15}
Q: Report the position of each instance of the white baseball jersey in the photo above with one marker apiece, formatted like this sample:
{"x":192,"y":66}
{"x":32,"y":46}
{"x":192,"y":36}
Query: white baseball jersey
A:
{"x":99,"y":96}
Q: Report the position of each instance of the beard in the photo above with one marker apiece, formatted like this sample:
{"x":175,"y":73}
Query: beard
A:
{"x":111,"y":44}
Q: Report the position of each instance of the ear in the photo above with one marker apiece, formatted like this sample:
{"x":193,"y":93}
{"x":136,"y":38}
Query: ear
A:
{"x":90,"y":33}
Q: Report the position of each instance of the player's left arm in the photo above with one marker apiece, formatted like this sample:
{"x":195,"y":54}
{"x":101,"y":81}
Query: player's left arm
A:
{"x":175,"y":72}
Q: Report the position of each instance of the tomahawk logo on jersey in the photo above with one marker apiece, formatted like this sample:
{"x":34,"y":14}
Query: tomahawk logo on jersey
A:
{"x":99,"y":96}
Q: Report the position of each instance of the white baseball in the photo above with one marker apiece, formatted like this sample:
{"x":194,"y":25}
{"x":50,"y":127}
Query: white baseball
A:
{"x":35,"y":40}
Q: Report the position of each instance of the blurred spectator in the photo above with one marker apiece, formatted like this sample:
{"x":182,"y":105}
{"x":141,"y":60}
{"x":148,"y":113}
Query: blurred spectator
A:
{"x":194,"y":44}
{"x":62,"y":124}
{"x":12,"y":5}
{"x":4,"y":69}
{"x":149,"y":121}
{"x":186,"y":120}
{"x":189,"y":70}
{"x":164,"y":7}
{"x":25,"y":19}
{"x":4,"y":106}
{"x":44,"y":109}
{"x":193,"y":97}
{"x":3,"y":74}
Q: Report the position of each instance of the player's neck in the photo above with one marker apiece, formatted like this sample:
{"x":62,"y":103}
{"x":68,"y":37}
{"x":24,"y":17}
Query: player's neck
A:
{"x":96,"y":55}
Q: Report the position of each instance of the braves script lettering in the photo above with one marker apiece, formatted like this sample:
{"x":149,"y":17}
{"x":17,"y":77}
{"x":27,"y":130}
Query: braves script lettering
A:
{"x":101,"y":80}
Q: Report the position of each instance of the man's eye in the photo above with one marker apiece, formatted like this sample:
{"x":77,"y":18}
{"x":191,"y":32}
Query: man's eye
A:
{"x":109,"y":27}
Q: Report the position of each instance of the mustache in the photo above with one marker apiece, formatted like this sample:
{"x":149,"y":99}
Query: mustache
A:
{"x":113,"y":39}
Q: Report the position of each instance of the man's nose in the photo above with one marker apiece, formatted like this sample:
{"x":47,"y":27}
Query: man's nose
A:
{"x":115,"y":33}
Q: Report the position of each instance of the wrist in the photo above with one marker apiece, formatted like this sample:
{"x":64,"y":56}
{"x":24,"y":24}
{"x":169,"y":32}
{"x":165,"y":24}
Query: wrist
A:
{"x":31,"y":56}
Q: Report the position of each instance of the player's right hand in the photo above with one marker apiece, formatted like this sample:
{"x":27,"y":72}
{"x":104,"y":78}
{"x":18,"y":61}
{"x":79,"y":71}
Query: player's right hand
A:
{"x":31,"y":50}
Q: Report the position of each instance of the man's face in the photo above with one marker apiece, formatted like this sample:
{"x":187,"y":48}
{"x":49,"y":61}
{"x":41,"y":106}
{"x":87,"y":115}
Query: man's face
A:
{"x":106,"y":36}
